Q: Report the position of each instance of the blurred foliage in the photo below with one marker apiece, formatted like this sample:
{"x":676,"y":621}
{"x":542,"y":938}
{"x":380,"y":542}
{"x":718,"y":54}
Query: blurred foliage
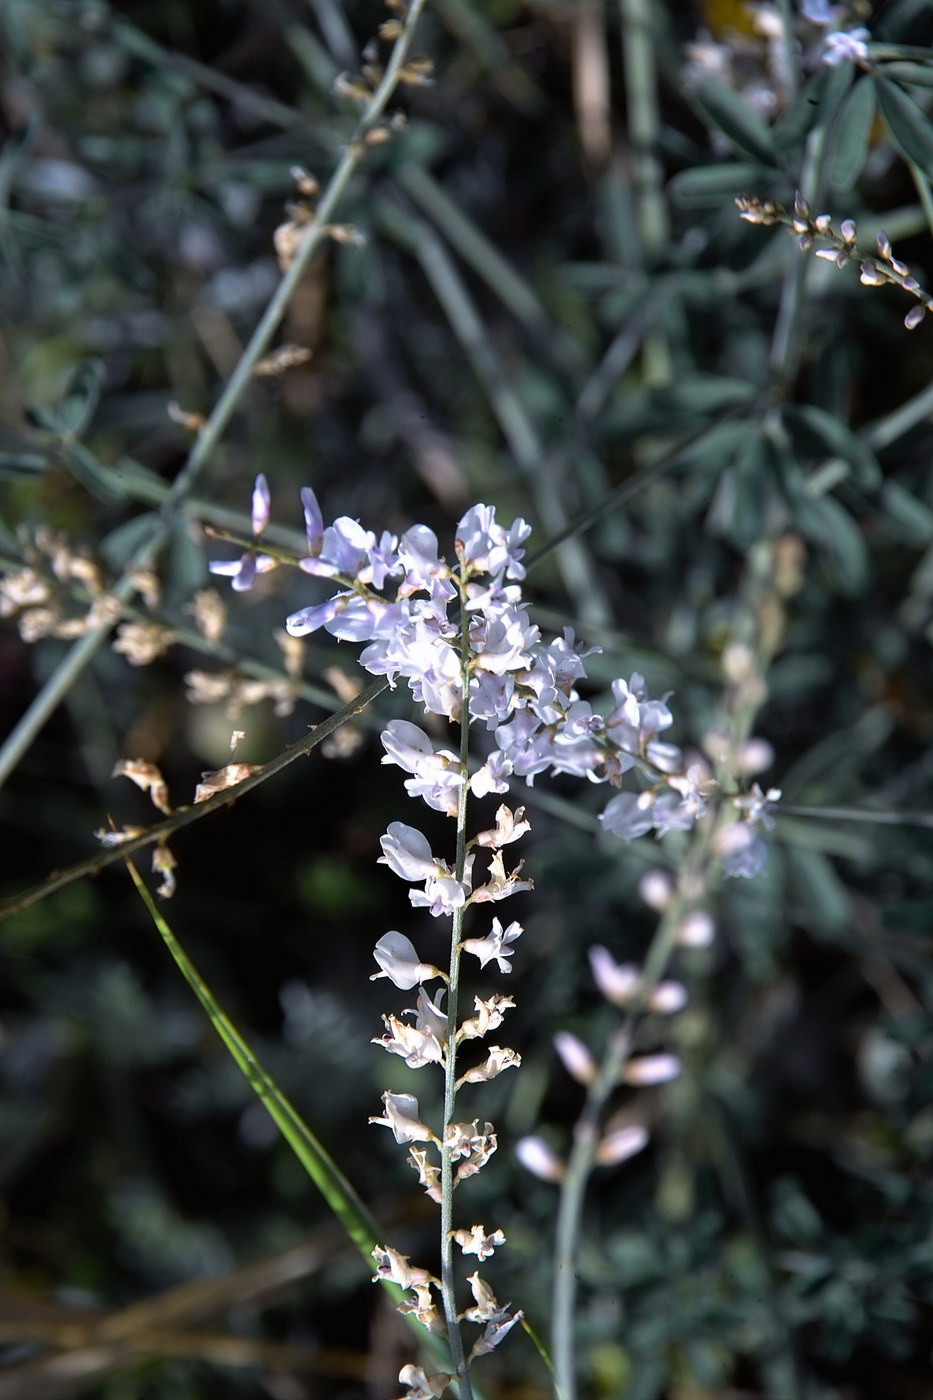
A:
{"x":536,"y":319}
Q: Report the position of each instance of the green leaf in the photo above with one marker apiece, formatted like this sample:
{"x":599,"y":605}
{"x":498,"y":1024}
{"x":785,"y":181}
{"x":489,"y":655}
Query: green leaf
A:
{"x":14,"y":464}
{"x":754,"y":470}
{"x":820,"y":898}
{"x":850,"y":136}
{"x":913,"y":518}
{"x":736,"y":119}
{"x":825,"y":522}
{"x":337,"y":1191}
{"x":909,"y":126}
{"x":719,"y":445}
{"x":712,"y":184}
{"x":815,"y":432}
{"x":77,"y":405}
{"x":816,"y":102}
{"x":92,"y":474}
{"x":119,"y":547}
{"x":913,"y":74}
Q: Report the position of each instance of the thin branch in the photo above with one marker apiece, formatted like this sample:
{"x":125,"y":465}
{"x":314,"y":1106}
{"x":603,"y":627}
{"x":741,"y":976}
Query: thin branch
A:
{"x":163,"y":831}
{"x":58,"y":685}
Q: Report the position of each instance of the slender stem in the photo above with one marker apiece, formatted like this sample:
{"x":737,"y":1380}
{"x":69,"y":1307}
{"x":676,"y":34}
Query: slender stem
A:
{"x":586,"y":1133}
{"x":641,"y":86}
{"x":787,"y":343}
{"x":58,"y":685}
{"x":448,"y":1285}
{"x":641,"y":90}
{"x":789,"y":53}
{"x":880,"y":817}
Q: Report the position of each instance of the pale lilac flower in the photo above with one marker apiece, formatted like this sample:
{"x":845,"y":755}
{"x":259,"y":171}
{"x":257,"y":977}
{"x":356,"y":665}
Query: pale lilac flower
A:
{"x":437,"y":777}
{"x":846,"y":46}
{"x":242,"y":572}
{"x":618,"y":1146}
{"x":442,"y":894}
{"x":487,"y":548}
{"x":314,"y":521}
{"x":494,"y":1332}
{"x":344,"y":551}
{"x":417,"y":554}
{"x":655,"y":888}
{"x":759,"y":806}
{"x":401,"y":1115}
{"x":741,"y":852}
{"x":347,"y":616}
{"x":417,"y":1047}
{"x":399,"y":961}
{"x":476,"y":1241}
{"x":306,"y":620}
{"x":668,"y":998}
{"x":696,"y":930}
{"x":575,"y":1057}
{"x":397,"y":1267}
{"x":491,"y":697}
{"x":261,"y":505}
{"x":820,"y":12}
{"x":538,"y":1158}
{"x":670,"y":813}
{"x":498,"y":1059}
{"x":421,"y":1386}
{"x":487,"y":1306}
{"x":629,"y":814}
{"x":407,"y":853}
{"x":493,"y":776}
{"x":651,"y":1069}
{"x":495,"y":946}
{"x":619,"y":983}
{"x":429,"y":1017}
{"x":406,"y":745}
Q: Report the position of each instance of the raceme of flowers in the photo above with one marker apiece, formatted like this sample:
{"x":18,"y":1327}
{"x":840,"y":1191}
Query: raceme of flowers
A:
{"x":460,"y":635}
{"x":402,"y":601}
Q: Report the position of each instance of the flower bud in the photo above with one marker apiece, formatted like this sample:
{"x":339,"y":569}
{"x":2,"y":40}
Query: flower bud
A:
{"x":539,"y":1159}
{"x":576,"y":1058}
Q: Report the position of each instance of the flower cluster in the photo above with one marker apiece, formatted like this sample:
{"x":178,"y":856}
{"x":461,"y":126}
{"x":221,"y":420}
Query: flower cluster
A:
{"x":401,"y":600}
{"x":879,"y":268}
{"x":459,"y":634}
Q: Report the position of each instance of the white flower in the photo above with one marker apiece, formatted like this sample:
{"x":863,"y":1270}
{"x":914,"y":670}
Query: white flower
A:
{"x":401,"y":1116}
{"x":494,"y":947}
{"x":407,"y":853}
{"x":476,"y":1241}
{"x":398,"y":961}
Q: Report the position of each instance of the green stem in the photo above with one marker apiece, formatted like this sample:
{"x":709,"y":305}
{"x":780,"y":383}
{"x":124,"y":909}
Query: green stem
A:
{"x":448,"y":1285}
{"x":787,"y":343}
{"x":586,"y":1133}
{"x":58,"y":685}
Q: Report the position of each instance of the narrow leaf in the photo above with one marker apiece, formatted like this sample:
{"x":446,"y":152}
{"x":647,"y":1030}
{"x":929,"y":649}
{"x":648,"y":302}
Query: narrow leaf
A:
{"x":733,"y":116}
{"x":850,"y":136}
{"x":909,"y":126}
{"x":712,"y":184}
